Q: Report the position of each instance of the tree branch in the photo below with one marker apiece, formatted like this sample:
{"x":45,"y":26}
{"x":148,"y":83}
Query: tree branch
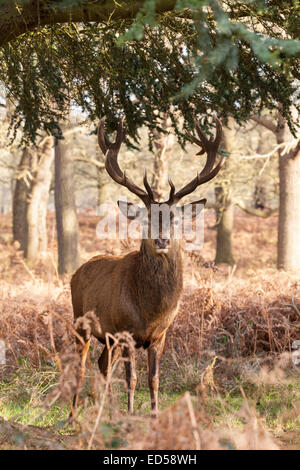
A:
{"x":65,"y":134}
{"x":99,"y":165}
{"x":211,"y":205}
{"x":7,"y":166}
{"x":18,"y":17}
{"x":265,"y":122}
{"x":257,"y":212}
{"x":265,"y":155}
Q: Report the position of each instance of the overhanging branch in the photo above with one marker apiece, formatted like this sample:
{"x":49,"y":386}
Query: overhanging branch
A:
{"x":18,"y":17}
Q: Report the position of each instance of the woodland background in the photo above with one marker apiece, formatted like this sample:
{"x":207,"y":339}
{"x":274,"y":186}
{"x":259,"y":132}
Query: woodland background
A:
{"x":228,"y":379}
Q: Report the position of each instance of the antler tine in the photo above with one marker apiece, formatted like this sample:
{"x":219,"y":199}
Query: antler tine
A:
{"x":197,"y":181}
{"x":148,"y":187}
{"x":111,"y":151}
{"x":172,"y":189}
{"x":209,"y":146}
{"x":211,"y":149}
{"x":120,"y":135}
{"x":202,"y":136}
{"x":102,"y":139}
{"x":206,"y":142}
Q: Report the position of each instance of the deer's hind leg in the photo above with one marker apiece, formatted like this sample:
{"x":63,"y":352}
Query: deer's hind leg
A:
{"x":130,"y":369}
{"x":107,"y":359}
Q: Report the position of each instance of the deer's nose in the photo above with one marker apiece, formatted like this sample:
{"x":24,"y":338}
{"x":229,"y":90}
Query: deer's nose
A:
{"x":161,"y":243}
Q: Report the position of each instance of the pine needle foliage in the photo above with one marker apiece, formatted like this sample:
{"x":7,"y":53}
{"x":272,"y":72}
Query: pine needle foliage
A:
{"x":229,"y":58}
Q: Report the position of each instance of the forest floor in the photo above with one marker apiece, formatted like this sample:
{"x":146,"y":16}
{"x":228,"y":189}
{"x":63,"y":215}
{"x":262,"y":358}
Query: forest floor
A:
{"x":228,"y":380}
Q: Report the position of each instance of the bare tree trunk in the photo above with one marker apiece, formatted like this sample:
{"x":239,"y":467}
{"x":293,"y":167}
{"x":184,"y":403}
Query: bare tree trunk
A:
{"x":66,"y":216}
{"x":102,"y":188}
{"x":289,"y":202}
{"x":44,"y":194}
{"x":21,"y":192}
{"x":2,"y":206}
{"x":38,"y":202}
{"x":225,"y":218}
{"x":163,"y":144}
{"x":288,"y":246}
{"x":224,"y":204}
{"x":30,"y":198}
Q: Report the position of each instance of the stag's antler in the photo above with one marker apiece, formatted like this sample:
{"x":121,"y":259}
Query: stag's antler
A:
{"x":208,"y":173}
{"x":111,"y":151}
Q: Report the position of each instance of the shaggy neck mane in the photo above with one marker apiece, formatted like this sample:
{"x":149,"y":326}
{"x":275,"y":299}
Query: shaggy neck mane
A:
{"x":158,"y":278}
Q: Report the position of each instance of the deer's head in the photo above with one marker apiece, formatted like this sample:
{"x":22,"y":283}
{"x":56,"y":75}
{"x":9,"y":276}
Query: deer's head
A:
{"x":161,"y":218}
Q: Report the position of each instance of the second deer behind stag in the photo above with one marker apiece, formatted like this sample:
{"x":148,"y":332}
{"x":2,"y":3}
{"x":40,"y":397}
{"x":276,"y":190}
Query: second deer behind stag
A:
{"x":139,"y":292}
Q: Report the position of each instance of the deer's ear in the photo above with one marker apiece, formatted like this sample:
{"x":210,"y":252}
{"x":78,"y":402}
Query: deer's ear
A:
{"x":129,"y":210}
{"x":195,"y":207}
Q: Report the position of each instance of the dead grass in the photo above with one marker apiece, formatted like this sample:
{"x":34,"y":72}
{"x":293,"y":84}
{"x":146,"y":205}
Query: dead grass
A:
{"x":230,"y":325}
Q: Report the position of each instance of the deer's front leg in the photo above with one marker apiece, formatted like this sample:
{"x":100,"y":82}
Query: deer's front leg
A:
{"x":83,"y":349}
{"x":155,"y":351}
{"x":130,"y":369}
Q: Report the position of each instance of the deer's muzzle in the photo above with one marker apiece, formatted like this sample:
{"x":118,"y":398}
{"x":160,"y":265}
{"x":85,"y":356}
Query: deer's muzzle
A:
{"x":161,"y":245}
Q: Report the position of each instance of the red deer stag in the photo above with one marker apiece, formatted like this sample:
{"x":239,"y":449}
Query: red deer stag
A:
{"x":139,"y":292}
